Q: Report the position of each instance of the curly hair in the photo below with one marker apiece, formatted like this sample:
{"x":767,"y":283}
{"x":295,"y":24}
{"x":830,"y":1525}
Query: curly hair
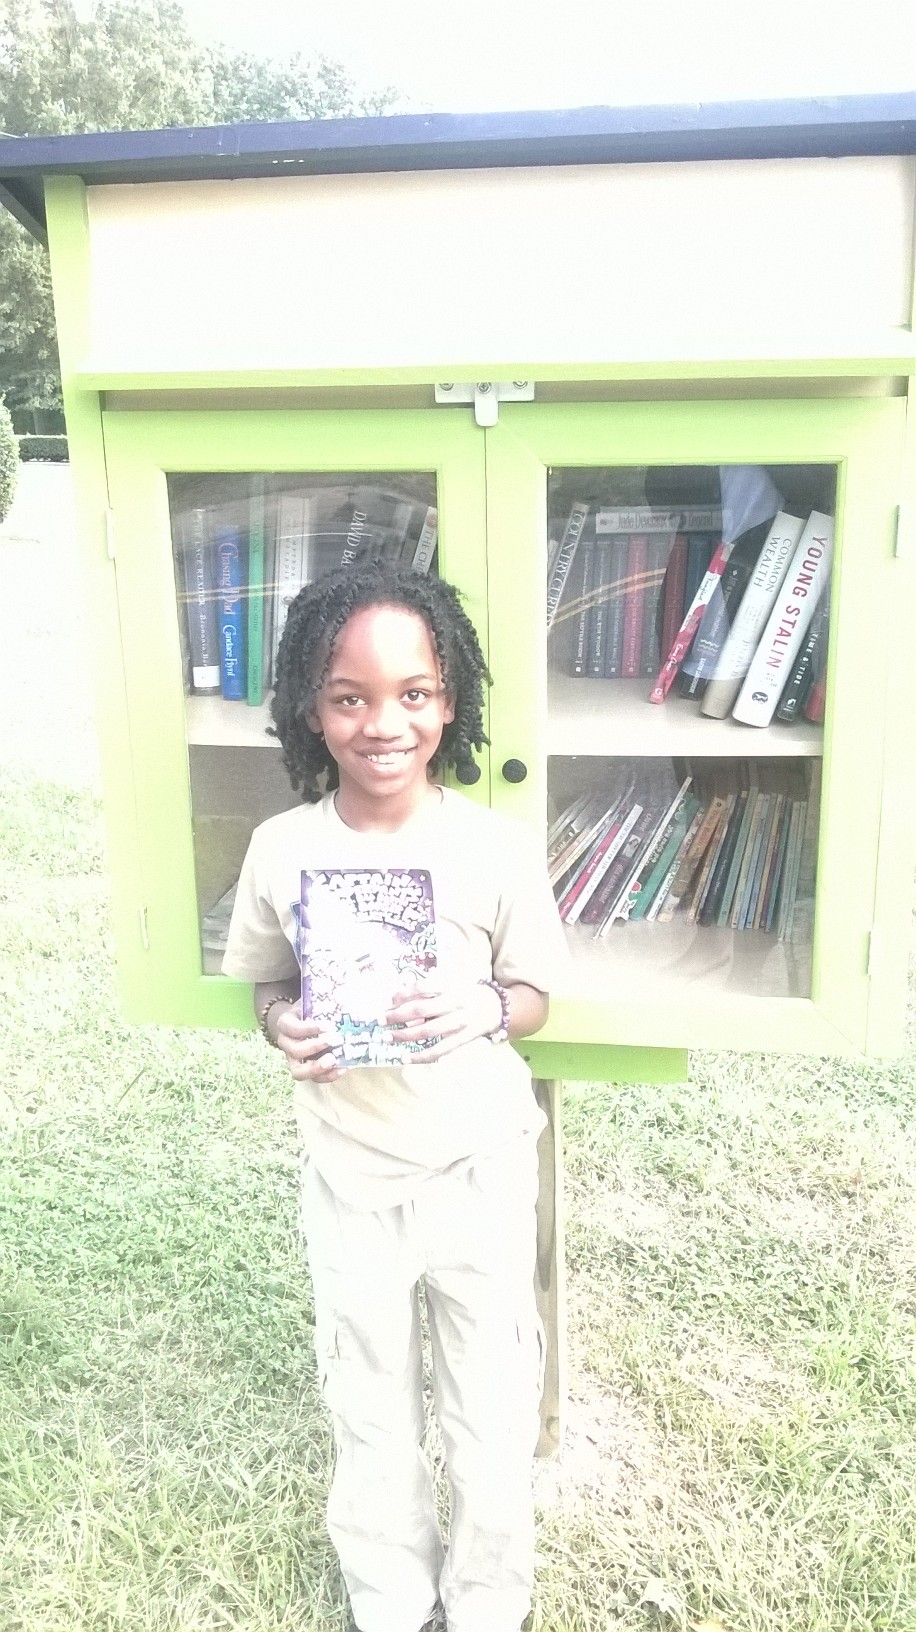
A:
{"x":315,"y":619}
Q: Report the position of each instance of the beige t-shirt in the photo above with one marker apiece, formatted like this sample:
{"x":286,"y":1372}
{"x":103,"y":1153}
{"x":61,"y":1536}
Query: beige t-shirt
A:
{"x":375,"y":1133}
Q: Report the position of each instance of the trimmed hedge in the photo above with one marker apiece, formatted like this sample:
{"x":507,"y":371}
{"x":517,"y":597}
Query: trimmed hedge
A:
{"x":9,"y":461}
{"x":43,"y":447}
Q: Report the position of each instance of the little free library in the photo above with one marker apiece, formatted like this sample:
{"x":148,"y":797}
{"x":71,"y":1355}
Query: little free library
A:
{"x":639,"y":382}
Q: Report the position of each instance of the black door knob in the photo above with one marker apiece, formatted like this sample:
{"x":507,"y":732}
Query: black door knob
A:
{"x":515,"y":770}
{"x":468,"y":774}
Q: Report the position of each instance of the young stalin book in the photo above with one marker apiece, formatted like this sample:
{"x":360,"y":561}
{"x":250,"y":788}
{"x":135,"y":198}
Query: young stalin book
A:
{"x":365,"y":934}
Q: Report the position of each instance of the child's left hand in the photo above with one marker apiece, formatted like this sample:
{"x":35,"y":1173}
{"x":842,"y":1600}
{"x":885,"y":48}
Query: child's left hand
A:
{"x":453,"y":1017}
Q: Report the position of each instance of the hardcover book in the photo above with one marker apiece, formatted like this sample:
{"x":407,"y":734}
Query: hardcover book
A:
{"x":365,"y":935}
{"x":785,"y":629}
{"x":754,"y":609}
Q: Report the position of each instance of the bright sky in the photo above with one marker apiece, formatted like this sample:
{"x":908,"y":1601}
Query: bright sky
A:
{"x":500,"y":54}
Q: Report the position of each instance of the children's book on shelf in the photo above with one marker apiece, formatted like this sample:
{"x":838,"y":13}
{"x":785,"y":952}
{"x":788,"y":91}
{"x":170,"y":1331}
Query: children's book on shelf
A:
{"x":787,"y":624}
{"x":365,"y":935}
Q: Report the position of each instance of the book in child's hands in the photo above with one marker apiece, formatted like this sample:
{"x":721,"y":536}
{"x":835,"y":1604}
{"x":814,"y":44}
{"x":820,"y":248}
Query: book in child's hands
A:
{"x":365,"y":935}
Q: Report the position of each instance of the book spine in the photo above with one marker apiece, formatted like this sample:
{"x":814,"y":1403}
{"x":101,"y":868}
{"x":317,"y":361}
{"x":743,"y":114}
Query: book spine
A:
{"x":254,"y":690}
{"x":647,"y":885}
{"x":718,"y":903}
{"x":564,"y":558}
{"x":699,"y":552}
{"x":290,"y":570}
{"x":615,"y":553}
{"x":751,"y":616}
{"x":713,"y":632}
{"x":233,"y":673}
{"x":355,"y":540}
{"x":807,"y":666}
{"x":600,"y":610}
{"x":695,"y":855}
{"x":599,"y":863}
{"x":427,"y":541}
{"x":816,"y":701}
{"x":660,"y":899}
{"x":690,"y":624}
{"x":775,"y":880}
{"x":608,"y":890}
{"x":769,"y":859}
{"x":656,"y":827}
{"x":752,"y":822}
{"x":787,"y":624}
{"x":637,"y":558}
{"x":756,"y":846}
{"x":199,"y":569}
{"x":644,"y":519}
{"x":588,"y":612}
{"x":699,"y":893}
{"x":673,"y":592}
{"x":791,"y":870}
{"x":657,"y":556}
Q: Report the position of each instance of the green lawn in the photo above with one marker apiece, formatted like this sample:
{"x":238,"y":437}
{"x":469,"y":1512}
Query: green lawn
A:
{"x":742,"y":1254}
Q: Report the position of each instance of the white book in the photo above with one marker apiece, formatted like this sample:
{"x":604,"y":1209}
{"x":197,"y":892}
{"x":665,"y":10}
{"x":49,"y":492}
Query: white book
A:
{"x":787,"y":623}
{"x":291,"y":559}
{"x":563,"y":560}
{"x":640,"y":518}
{"x":601,"y":867}
{"x":426,"y":543}
{"x":754,"y":608}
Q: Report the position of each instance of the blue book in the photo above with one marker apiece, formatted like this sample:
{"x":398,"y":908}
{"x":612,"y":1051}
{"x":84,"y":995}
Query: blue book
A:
{"x":229,"y":573}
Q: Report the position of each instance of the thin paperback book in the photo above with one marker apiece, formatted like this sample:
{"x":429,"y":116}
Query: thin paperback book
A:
{"x":366,"y":935}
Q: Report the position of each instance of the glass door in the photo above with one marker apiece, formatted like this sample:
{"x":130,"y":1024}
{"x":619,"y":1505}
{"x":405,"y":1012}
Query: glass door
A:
{"x":691,"y":609}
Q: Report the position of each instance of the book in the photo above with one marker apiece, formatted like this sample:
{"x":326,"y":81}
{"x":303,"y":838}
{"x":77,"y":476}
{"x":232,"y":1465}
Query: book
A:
{"x":751,"y":616}
{"x":609,"y":890}
{"x":768,"y":860}
{"x":565,"y":555}
{"x":673,"y":592}
{"x":757,"y":836}
{"x":613,"y":554}
{"x":733,"y":859}
{"x":291,"y":558}
{"x":775,"y":879}
{"x":787,"y":623}
{"x":648,"y":884}
{"x":586,"y":630}
{"x":689,"y":625}
{"x":365,"y":934}
{"x":700,"y":842}
{"x":598,"y":863}
{"x":656,"y":561}
{"x":659,"y":902}
{"x":647,"y":518}
{"x":198,"y":567}
{"x":809,"y":665}
{"x":426,"y":543}
{"x":699,"y":553}
{"x":229,"y":574}
{"x":637,"y":558}
{"x":699,"y":892}
{"x":645,"y":834}
{"x":816,"y":701}
{"x":791,"y":869}
{"x":254,"y":690}
{"x":700,"y":662}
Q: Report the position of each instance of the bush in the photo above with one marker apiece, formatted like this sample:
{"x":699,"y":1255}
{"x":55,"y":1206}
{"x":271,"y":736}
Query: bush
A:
{"x":9,"y":461}
{"x":43,"y":447}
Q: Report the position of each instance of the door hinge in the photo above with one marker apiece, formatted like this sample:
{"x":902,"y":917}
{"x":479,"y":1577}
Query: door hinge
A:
{"x":904,"y":529}
{"x":110,"y":534}
{"x":486,"y":395}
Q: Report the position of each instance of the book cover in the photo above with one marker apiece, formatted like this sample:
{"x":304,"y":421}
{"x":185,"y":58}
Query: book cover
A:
{"x":229,"y":575}
{"x":198,"y":564}
{"x":634,"y":601}
{"x":365,"y":935}
{"x":565,"y":555}
{"x":787,"y":624}
{"x":755,"y":607}
{"x":254,"y":690}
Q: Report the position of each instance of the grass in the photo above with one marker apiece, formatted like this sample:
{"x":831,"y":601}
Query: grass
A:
{"x":742,"y":1258}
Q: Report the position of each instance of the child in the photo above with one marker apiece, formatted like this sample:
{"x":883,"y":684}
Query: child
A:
{"x":428,"y":1170}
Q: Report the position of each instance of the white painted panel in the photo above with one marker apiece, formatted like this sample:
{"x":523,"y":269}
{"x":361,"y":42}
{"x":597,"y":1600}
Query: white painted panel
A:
{"x":570,"y":264}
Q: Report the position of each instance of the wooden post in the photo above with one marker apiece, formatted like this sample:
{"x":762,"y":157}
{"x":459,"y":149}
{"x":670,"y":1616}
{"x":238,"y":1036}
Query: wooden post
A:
{"x":550,"y":1278}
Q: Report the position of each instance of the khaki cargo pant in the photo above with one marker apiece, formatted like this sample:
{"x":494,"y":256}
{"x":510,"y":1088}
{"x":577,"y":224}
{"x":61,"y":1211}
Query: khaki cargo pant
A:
{"x":470,"y":1234}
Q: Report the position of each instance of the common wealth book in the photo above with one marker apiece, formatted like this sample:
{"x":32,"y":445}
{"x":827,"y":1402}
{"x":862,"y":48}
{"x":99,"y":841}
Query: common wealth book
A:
{"x":365,"y":935}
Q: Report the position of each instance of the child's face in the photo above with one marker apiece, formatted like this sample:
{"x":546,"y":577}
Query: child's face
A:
{"x":382,"y":709}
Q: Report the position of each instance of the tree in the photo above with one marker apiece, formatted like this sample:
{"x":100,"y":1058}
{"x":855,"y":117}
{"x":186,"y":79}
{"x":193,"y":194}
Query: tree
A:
{"x":135,"y":66}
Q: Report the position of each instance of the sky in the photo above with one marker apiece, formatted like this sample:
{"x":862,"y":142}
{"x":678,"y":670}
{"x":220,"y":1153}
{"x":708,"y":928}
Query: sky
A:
{"x":467,"y":55}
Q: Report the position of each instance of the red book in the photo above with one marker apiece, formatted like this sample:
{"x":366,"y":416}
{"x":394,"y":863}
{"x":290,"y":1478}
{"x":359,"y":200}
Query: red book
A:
{"x":693,"y":617}
{"x":817,"y":696}
{"x":637,"y":562}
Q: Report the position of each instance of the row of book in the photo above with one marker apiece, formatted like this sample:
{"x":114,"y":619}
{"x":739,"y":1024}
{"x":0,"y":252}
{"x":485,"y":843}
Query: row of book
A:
{"x":239,"y":569}
{"x":728,"y":847}
{"x":742,"y":626}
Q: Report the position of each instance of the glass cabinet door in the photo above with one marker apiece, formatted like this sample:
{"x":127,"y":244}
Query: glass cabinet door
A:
{"x":219,"y":518}
{"x":243,"y":545}
{"x":696,"y":718}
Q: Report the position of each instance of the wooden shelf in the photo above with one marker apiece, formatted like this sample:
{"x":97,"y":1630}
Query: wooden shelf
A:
{"x":211,"y":720}
{"x":614,"y":718}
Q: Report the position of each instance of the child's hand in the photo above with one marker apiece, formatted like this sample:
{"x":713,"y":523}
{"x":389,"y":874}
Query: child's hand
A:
{"x":453,"y":1018}
{"x":308,"y":1047}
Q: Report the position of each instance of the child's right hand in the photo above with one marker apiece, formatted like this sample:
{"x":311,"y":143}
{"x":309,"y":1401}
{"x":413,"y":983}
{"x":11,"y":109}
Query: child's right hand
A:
{"x":308,"y":1047}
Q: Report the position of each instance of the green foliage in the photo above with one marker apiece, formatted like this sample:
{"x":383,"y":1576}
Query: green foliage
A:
{"x":9,"y":461}
{"x":134,"y":66}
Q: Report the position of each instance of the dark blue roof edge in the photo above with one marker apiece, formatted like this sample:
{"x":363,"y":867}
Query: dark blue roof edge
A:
{"x":825,"y":126}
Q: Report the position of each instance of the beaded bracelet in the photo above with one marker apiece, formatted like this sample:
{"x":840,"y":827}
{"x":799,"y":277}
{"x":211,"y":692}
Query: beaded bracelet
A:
{"x":500,"y":1033}
{"x":278,"y":997}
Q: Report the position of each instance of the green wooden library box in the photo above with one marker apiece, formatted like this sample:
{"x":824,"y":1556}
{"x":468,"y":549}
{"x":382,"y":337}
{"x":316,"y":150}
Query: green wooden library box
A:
{"x":638,"y":382}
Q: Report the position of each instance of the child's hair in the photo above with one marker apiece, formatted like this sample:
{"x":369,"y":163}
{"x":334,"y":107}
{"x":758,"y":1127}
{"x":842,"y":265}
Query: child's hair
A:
{"x":313,"y":623}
